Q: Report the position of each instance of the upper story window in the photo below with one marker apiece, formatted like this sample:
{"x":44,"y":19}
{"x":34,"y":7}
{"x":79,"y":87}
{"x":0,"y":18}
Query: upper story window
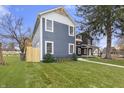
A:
{"x":89,"y":42}
{"x":79,"y":37}
{"x":48,"y":25}
{"x":71,"y":30}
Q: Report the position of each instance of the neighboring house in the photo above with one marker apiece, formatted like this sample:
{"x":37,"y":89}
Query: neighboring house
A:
{"x":120,"y":50}
{"x":113,"y":51}
{"x":84,"y":45}
{"x":54,"y":33}
{"x":10,"y":51}
{"x":120,"y":47}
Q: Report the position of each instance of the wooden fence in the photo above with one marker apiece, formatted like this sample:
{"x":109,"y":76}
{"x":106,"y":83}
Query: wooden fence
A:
{"x":32,"y":54}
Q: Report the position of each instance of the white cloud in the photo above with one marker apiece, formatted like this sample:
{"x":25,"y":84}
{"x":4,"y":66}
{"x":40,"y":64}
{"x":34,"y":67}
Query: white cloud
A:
{"x":4,"y":10}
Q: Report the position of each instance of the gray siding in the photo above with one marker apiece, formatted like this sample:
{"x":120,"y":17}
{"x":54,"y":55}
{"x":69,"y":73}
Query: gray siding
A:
{"x":36,"y":38}
{"x":60,"y":38}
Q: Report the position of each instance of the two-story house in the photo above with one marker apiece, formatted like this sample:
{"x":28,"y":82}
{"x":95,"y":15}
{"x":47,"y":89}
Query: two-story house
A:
{"x":84,"y":45}
{"x":54,"y":33}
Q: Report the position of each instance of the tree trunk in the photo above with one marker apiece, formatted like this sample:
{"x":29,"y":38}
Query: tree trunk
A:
{"x":109,"y":40}
{"x":1,"y":55}
{"x":22,"y":54}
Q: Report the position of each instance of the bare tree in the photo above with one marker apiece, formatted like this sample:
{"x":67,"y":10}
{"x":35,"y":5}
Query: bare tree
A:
{"x":12,"y":27}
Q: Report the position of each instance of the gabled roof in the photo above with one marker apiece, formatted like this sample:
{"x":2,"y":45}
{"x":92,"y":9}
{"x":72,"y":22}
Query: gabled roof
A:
{"x":52,"y":10}
{"x":48,"y":11}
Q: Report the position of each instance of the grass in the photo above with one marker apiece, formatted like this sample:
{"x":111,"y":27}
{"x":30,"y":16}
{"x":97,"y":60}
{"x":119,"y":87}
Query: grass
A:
{"x":113,"y":61}
{"x":12,"y":74}
{"x":63,"y":75}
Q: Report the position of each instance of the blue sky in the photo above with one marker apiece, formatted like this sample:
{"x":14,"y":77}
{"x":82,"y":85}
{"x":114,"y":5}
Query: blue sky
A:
{"x":30,"y":12}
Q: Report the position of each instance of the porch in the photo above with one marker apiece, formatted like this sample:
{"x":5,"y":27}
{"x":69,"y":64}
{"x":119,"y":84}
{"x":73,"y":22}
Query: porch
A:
{"x":85,"y":50}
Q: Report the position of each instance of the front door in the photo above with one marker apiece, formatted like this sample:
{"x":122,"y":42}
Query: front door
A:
{"x":79,"y":51}
{"x":90,"y":52}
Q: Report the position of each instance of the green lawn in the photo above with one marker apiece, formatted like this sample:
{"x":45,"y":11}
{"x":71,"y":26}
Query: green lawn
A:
{"x":64,"y":74}
{"x":116,"y":62}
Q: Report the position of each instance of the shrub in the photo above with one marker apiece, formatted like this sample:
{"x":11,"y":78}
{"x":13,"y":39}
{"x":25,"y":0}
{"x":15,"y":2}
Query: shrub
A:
{"x":48,"y":58}
{"x":74,"y":57}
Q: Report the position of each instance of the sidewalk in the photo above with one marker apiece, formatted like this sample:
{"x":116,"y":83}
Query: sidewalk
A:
{"x":85,"y":60}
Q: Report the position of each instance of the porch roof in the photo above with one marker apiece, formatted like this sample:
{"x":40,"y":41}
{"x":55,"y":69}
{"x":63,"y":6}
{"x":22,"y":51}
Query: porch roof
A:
{"x":88,"y":46}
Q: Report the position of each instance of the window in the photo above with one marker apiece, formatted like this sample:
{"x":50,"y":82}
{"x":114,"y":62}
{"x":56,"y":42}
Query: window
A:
{"x":79,"y":37}
{"x":79,"y":50}
{"x":49,"y":47}
{"x":48,"y":25}
{"x":71,"y":31}
{"x":89,"y":42}
{"x":71,"y":48}
{"x":85,"y":51}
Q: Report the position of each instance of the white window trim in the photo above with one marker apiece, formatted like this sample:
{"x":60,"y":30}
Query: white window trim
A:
{"x":69,"y":48}
{"x":69,"y":31}
{"x":46,"y":46}
{"x":46,"y":25}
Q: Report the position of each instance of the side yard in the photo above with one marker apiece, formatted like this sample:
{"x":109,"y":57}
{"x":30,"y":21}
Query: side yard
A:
{"x":63,"y":75}
{"x":12,"y":74}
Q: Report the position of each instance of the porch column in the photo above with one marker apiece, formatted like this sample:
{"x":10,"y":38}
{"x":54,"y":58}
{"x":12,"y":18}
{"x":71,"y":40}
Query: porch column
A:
{"x":98,"y":52}
{"x":87,"y":51}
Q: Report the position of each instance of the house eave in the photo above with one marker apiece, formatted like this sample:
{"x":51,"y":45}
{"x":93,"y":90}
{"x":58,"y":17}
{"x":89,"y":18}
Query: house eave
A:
{"x":51,"y":10}
{"x":35,"y":27}
{"x":48,"y":11}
